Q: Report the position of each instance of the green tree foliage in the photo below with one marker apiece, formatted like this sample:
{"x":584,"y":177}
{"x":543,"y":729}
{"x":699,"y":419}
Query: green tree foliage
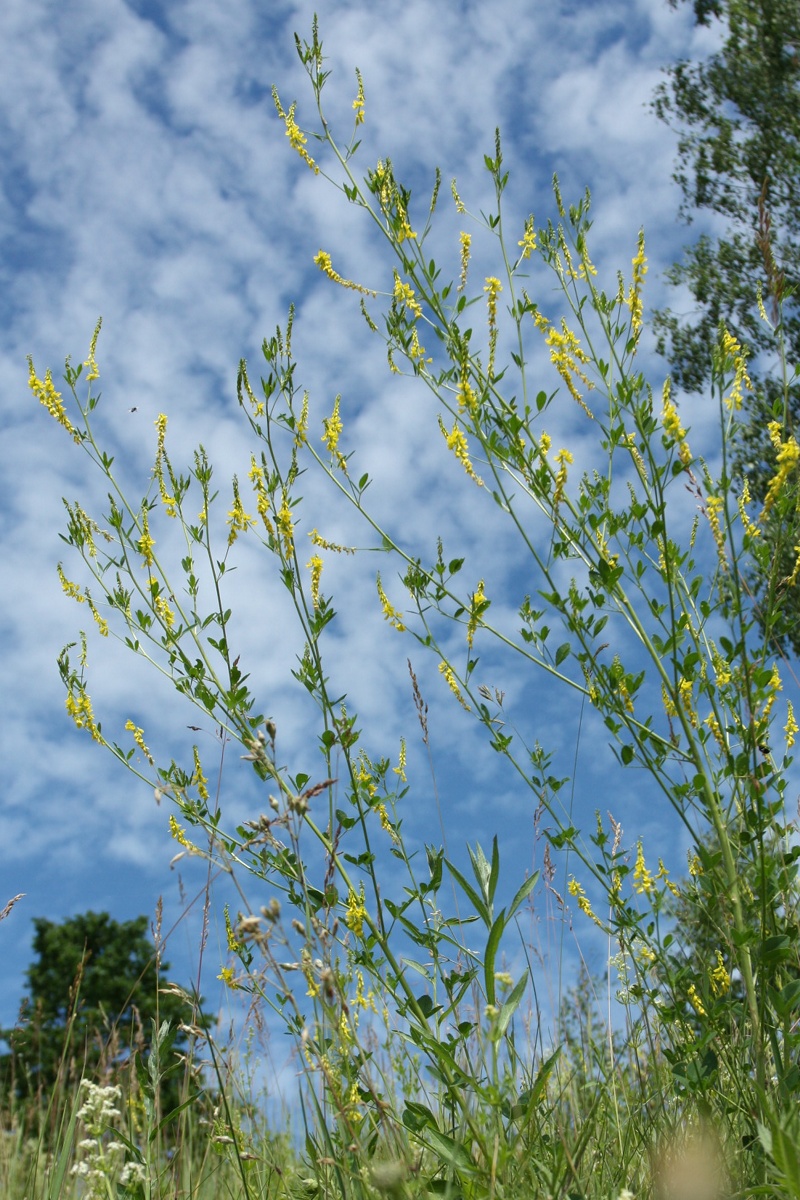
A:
{"x":93,"y":995}
{"x":737,"y":115}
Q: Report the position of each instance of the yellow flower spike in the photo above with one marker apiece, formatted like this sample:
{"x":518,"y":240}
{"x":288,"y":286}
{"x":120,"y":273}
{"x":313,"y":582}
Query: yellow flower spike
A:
{"x":696,"y":1002}
{"x":323,"y":261}
{"x":566,"y":355}
{"x":478,"y":606}
{"x":256,"y":476}
{"x":400,"y":769}
{"x":227,"y":976}
{"x":283,"y":519}
{"x":751,"y":529}
{"x":405,"y":232}
{"x":788,"y":454}
{"x":563,"y":458}
{"x":47,"y":395}
{"x":575,"y":890}
{"x":460,"y":208}
{"x":138,"y":737}
{"x":315,"y":565}
{"x":791,"y":728}
{"x":663,"y":873}
{"x":634,"y":297}
{"x":238,"y":520}
{"x":320,"y":541}
{"x":643,"y":882}
{"x":467,"y":398}
{"x":714,"y":506}
{"x":79,"y":708}
{"x":302,"y":425}
{"x":492,"y":287}
{"x":145,"y":543}
{"x":720,"y":979}
{"x":390,"y":613}
{"x":528,"y":243}
{"x":100,"y":621}
{"x":416,"y":351}
{"x":333,"y":429}
{"x":198,"y":778}
{"x":457,"y":442}
{"x":449,"y":675}
{"x":732,"y":349}
{"x":161,"y":457}
{"x":356,"y":912}
{"x":233,"y":944}
{"x":179,"y":835}
{"x":466,"y":247}
{"x":404,"y":294}
{"x":90,"y":362}
{"x":358,"y":103}
{"x":297,"y":139}
{"x":69,"y":589}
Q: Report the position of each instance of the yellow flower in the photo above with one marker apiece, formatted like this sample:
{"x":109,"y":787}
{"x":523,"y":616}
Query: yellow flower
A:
{"x":642,"y":879}
{"x":466,"y":246}
{"x":256,"y":476}
{"x":90,"y":362}
{"x":404,"y":294}
{"x":167,"y":499}
{"x":460,"y":208}
{"x":528,"y":242}
{"x":70,"y":589}
{"x":238,"y":519}
{"x":227,"y":977}
{"x":285,"y":525}
{"x":446,"y":670}
{"x":788,"y":453}
{"x":714,"y":506}
{"x":47,"y":395}
{"x":333,"y":428}
{"x":791,"y":727}
{"x":566,"y":355}
{"x":478,"y":606}
{"x":297,"y":139}
{"x":457,"y":442}
{"x":733,"y":351}
{"x":400,"y":769}
{"x":138,"y":737}
{"x":179,"y":834}
{"x":323,"y":261}
{"x":634,"y":297}
{"x":563,"y":458}
{"x":356,"y":912}
{"x":318,"y":540}
{"x":358,"y":103}
{"x":79,"y":707}
{"x":198,"y":778}
{"x":696,"y":1002}
{"x":315,"y":565}
{"x":575,"y":889}
{"x":145,"y":543}
{"x":720,"y":979}
{"x":391,"y":614}
{"x":492,"y":287}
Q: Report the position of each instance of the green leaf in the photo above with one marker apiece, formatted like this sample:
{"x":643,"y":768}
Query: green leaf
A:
{"x":492,"y":944}
{"x":511,"y":1005}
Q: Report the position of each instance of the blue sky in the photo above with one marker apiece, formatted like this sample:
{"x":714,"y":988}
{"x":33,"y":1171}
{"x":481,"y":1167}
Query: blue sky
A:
{"x":145,"y":177}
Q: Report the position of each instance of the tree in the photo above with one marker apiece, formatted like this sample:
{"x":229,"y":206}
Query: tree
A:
{"x":737,"y":114}
{"x":93,"y":995}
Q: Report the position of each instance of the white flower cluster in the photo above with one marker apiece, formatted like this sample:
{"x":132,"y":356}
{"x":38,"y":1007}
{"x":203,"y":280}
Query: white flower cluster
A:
{"x":103,"y":1159}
